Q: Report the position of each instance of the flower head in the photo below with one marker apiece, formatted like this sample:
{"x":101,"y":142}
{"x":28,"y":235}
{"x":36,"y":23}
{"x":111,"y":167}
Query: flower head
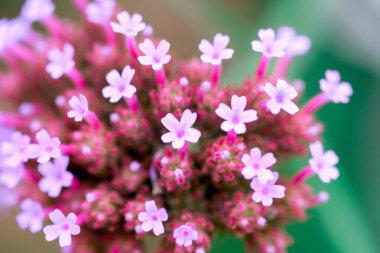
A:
{"x":63,"y":227}
{"x":334,"y":89}
{"x":217,"y":51}
{"x":128,"y":25}
{"x":256,"y":165}
{"x":34,"y":10}
{"x":281,"y":97}
{"x":235,"y":117}
{"x":268,"y":45}
{"x":55,"y":176}
{"x":79,"y":108}
{"x":17,"y":150}
{"x":119,"y":85}
{"x":265,"y":193}
{"x":180,"y":131}
{"x":185,"y":235}
{"x":323,"y":163}
{"x":155,"y":56}
{"x":100,"y":11}
{"x":47,"y":147}
{"x":153,"y":218}
{"x":297,"y":44}
{"x":31,"y":216}
{"x":60,"y":61}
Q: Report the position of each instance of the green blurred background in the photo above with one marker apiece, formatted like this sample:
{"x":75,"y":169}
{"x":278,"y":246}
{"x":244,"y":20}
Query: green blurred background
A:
{"x":346,"y":36}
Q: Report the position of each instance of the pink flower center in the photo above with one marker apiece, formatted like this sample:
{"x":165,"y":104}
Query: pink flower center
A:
{"x":256,"y":166}
{"x":235,"y":119}
{"x":185,"y":233}
{"x":265,"y":191}
{"x":280,"y":96}
{"x":156,"y":59}
{"x":180,"y":133}
{"x":154,"y":217}
{"x":49,"y":148}
{"x":65,"y":226}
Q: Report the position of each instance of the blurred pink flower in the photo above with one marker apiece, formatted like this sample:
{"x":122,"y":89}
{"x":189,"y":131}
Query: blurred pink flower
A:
{"x":297,"y":44}
{"x":323,"y":163}
{"x":153,"y":218}
{"x":61,"y":62}
{"x":128,"y":25}
{"x":32,"y":216}
{"x":47,"y":147}
{"x":79,"y":108}
{"x":281,"y":97}
{"x":35,"y":10}
{"x":119,"y":85}
{"x":334,"y":89}
{"x":17,"y":150}
{"x":256,"y":165}
{"x":185,"y":235}
{"x":217,"y":51}
{"x":268,"y":45}
{"x":100,"y":11}
{"x":155,"y":56}
{"x":265,"y":193}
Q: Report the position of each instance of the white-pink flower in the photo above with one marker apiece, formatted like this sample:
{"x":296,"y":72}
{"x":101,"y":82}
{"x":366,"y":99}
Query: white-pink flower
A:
{"x":128,"y":25}
{"x":268,"y":45}
{"x":32,"y":216}
{"x":34,"y":10}
{"x":11,"y":176}
{"x":185,"y":235}
{"x":323,"y":163}
{"x":256,"y":165}
{"x":55,"y":176}
{"x":297,"y":44}
{"x":235,"y":117}
{"x":61,"y":62}
{"x":281,"y":97}
{"x":265,"y":193}
{"x":100,"y":11}
{"x":217,"y":51}
{"x":153,"y":218}
{"x":17,"y":150}
{"x":119,"y":85}
{"x":47,"y":147}
{"x":155,"y":56}
{"x":63,"y":227}
{"x":79,"y":108}
{"x":334,"y":89}
{"x":180,"y":131}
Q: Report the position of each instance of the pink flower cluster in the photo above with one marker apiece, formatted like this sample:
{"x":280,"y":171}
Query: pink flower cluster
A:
{"x":111,"y":138}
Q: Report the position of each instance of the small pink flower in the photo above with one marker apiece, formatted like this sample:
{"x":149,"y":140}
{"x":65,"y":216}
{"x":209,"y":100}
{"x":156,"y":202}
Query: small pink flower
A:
{"x":16,"y":151}
{"x":34,"y":10}
{"x":11,"y":176}
{"x":60,"y":61}
{"x":217,"y":51}
{"x":12,"y":31}
{"x":185,"y":235}
{"x":297,"y":44}
{"x":336,"y":91}
{"x":79,"y":108}
{"x":268,"y":45}
{"x":31,"y":216}
{"x":128,"y":25}
{"x":235,"y":117}
{"x":63,"y":227}
{"x":256,"y":165}
{"x":281,"y":97}
{"x":180,"y":131}
{"x":100,"y":11}
{"x":153,"y":218}
{"x":323,"y":163}
{"x":265,"y":193}
{"x":55,"y":176}
{"x":119,"y":85}
{"x":47,"y":147}
{"x":155,"y":56}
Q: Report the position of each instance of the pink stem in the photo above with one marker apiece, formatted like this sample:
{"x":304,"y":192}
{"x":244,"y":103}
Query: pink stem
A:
{"x":315,"y":103}
{"x":302,"y":175}
{"x":23,"y":53}
{"x":216,"y":73}
{"x":77,"y":78}
{"x":282,"y":67}
{"x":80,"y":5}
{"x":160,"y":77}
{"x":93,"y":120}
{"x":68,"y":149}
{"x":231,"y":136}
{"x":110,"y":35}
{"x":12,"y":120}
{"x":133,"y":103}
{"x":132,"y":47}
{"x":261,"y":69}
{"x":53,"y":26}
{"x":183,"y":151}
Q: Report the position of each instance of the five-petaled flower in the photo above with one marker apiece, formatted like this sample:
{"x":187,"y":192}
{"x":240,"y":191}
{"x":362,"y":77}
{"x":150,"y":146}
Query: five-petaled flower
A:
{"x":256,"y":165}
{"x":34,"y":10}
{"x":265,"y":193}
{"x":297,"y":44}
{"x":323,"y":163}
{"x":17,"y":150}
{"x":334,"y":89}
{"x":11,"y":176}
{"x":128,"y":25}
{"x":100,"y":11}
{"x":268,"y":45}
{"x":185,"y":235}
{"x":217,"y":51}
{"x":281,"y":97}
{"x":119,"y":85}
{"x":32,"y":216}
{"x":63,"y":227}
{"x":55,"y":176}
{"x":47,"y":147}
{"x":180,"y":131}
{"x":61,"y":62}
{"x":155,"y":56}
{"x":235,"y":117}
{"x":79,"y":107}
{"x":153,"y":218}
